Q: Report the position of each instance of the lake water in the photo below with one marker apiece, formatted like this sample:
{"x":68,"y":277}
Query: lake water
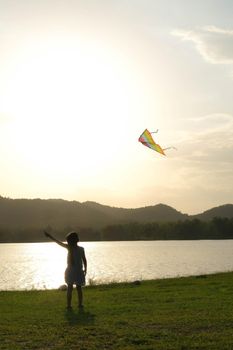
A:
{"x":41,"y":265}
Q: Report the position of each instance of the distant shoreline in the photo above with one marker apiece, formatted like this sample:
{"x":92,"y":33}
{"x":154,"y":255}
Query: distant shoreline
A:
{"x":127,"y":240}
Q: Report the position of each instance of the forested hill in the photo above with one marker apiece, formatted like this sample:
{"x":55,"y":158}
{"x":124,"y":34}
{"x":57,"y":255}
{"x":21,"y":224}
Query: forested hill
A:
{"x":25,"y":219}
{"x":58,"y":213}
{"x":223,"y":211}
{"x":23,"y":213}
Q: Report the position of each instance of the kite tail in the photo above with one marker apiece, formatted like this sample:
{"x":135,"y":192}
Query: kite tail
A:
{"x":154,"y":132}
{"x":171,"y":147}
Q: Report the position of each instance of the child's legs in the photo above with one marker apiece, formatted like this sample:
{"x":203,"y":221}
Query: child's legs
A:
{"x":69,"y":294}
{"x":80,"y":295}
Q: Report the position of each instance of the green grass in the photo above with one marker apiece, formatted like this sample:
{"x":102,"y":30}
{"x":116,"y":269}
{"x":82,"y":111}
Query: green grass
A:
{"x":183,"y":313}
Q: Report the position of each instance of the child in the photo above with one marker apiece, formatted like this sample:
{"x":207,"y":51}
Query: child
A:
{"x":74,"y":273}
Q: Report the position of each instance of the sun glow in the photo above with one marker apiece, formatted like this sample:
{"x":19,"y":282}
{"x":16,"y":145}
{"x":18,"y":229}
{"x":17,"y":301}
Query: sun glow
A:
{"x":64,"y":100}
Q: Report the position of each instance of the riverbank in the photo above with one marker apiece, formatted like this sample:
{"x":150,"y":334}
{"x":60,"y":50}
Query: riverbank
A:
{"x":181,"y":313}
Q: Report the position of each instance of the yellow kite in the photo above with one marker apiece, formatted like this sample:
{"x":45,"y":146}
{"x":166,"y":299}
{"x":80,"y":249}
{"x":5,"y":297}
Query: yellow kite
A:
{"x":147,"y":140}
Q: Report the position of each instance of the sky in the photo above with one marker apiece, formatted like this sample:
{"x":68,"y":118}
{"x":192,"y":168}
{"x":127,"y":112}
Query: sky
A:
{"x":81,"y":80}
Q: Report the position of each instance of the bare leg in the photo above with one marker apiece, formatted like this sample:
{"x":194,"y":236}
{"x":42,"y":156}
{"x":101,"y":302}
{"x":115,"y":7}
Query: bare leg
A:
{"x":80,"y":296}
{"x":69,"y":295}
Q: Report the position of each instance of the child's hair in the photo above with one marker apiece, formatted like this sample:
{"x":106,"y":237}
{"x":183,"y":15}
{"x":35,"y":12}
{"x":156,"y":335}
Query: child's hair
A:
{"x":72,"y":238}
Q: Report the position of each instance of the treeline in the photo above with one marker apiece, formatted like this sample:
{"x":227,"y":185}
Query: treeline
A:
{"x":32,"y":234}
{"x":217,"y":228}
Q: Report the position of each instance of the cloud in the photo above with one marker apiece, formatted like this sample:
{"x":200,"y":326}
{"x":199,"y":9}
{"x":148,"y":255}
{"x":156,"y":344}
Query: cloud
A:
{"x":211,"y":140}
{"x":204,"y":161}
{"x":214,"y":44}
{"x":201,"y":171}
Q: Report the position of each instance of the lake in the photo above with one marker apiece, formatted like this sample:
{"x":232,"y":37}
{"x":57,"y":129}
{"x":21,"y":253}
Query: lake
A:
{"x":25,"y":266}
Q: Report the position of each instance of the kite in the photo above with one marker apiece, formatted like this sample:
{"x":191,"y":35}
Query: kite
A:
{"x":147,"y":140}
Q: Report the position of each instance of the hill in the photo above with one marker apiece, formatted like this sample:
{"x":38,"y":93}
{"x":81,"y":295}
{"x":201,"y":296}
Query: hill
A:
{"x":158,"y":212}
{"x":223,"y":211}
{"x":26,"y":213}
{"x":25,"y":219}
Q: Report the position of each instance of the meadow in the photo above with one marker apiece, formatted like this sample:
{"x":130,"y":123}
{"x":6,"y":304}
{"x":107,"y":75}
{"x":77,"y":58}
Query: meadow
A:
{"x":178,"y":313}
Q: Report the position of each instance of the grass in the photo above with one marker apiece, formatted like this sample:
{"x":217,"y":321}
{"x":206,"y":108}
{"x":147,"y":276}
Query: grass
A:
{"x":183,"y":313}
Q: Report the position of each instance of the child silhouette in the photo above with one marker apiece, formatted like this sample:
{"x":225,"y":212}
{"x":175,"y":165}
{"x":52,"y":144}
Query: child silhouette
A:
{"x":76,"y":260}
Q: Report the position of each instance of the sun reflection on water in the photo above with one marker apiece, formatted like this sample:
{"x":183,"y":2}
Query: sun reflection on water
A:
{"x":48,"y":261}
{"x":35,"y":265}
{"x":42,"y":265}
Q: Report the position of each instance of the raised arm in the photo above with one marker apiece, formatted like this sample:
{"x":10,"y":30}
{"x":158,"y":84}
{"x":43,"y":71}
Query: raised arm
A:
{"x":55,"y":240}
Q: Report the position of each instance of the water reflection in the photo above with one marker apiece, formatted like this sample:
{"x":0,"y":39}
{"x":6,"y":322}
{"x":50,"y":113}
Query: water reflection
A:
{"x":32,"y":266}
{"x":42,"y":265}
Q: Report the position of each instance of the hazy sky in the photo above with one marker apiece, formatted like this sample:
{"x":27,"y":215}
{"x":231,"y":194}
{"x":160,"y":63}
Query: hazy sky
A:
{"x":81,"y":80}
